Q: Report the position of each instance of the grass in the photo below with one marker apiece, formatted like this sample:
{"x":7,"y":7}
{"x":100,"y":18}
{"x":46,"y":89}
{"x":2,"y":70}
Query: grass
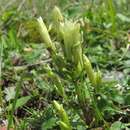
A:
{"x":65,"y":65}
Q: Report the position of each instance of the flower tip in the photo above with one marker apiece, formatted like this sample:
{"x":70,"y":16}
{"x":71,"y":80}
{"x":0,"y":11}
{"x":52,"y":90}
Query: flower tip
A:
{"x":40,"y":19}
{"x":57,"y":105}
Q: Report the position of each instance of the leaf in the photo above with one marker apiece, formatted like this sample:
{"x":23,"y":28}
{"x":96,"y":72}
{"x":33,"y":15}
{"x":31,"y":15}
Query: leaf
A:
{"x":10,"y":93}
{"x":117,"y":126}
{"x":79,"y":127}
{"x":119,"y":99}
{"x":123,"y":17}
{"x":48,"y":124}
{"x":7,"y":14}
{"x":127,"y":99}
{"x":20,"y":102}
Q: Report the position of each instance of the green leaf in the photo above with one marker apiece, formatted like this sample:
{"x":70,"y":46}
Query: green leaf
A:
{"x":48,"y":124}
{"x":117,"y":126}
{"x":7,"y":14}
{"x":79,"y":127}
{"x":123,"y":17}
{"x":119,"y":99}
{"x":20,"y":102}
{"x":127,"y":99}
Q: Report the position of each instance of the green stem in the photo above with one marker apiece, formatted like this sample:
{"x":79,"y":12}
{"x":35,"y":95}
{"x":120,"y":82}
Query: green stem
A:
{"x":1,"y":56}
{"x":112,"y":14}
{"x":10,"y":120}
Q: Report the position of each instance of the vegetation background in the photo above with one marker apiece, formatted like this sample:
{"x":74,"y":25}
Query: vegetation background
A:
{"x":36,"y":93}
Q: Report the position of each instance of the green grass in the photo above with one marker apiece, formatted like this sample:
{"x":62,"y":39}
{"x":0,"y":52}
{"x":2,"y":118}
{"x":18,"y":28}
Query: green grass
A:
{"x":70,"y":72}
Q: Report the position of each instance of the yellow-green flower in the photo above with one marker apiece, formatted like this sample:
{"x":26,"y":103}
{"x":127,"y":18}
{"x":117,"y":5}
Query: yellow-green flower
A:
{"x":56,"y":15}
{"x":45,"y":35}
{"x":72,"y":42}
{"x":63,"y":115}
{"x":89,"y":70}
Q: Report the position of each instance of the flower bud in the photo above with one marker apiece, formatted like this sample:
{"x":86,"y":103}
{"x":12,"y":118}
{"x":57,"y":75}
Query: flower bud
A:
{"x":62,"y":113}
{"x":72,"y":41}
{"x":45,"y":35}
{"x":57,"y":106}
{"x":64,"y":126}
{"x":56,"y":15}
{"x":89,"y":70}
{"x":98,"y":78}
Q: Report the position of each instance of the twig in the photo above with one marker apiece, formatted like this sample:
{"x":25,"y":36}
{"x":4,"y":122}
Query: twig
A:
{"x":21,"y":5}
{"x":24,"y":67}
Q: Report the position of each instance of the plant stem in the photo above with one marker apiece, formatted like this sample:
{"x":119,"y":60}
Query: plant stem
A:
{"x":10,"y":120}
{"x":1,"y":56}
{"x":112,"y":14}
